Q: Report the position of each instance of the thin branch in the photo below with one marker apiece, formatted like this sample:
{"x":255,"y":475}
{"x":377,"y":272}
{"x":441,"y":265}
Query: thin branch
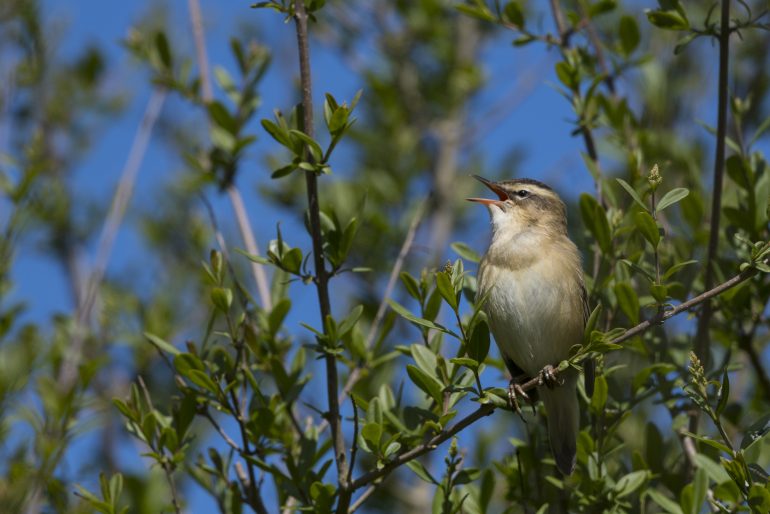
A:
{"x":487,"y":409}
{"x":354,"y":448}
{"x":406,"y":246}
{"x":690,"y":452}
{"x":361,"y":499}
{"x":233,"y":193}
{"x":433,"y":442}
{"x":232,"y":444}
{"x":123,"y":191}
{"x":321,"y":274}
{"x":702,"y":335}
{"x":244,"y":225}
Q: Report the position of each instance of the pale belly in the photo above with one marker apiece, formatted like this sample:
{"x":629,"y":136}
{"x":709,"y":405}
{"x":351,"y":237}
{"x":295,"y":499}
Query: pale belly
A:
{"x":534,"y":322}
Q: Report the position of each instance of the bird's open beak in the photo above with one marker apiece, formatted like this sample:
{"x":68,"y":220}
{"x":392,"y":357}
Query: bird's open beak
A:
{"x":501,"y":194}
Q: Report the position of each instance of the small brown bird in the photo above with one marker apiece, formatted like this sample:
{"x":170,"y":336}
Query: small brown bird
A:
{"x":536,"y":304}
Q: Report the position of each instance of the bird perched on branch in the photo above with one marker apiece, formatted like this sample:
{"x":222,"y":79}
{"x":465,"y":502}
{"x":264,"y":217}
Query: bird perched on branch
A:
{"x":532,"y":281}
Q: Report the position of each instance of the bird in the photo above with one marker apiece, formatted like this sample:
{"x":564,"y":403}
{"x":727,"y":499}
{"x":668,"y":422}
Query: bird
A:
{"x":531,"y":281}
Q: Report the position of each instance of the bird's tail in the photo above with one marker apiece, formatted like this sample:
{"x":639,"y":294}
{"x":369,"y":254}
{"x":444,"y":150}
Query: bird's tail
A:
{"x":561,"y":406}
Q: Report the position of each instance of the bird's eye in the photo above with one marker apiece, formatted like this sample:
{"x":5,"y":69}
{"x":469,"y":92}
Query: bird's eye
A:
{"x":521,"y":193}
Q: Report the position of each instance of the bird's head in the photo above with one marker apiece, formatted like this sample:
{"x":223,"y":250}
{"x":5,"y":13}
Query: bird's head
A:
{"x":524,"y":204}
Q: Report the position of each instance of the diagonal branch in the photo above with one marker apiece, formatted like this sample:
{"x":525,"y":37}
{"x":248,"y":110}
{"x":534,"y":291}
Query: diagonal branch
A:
{"x":487,"y":409}
{"x":236,"y":200}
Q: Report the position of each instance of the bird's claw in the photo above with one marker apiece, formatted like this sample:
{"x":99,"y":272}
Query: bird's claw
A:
{"x":514,"y":392}
{"x":548,"y":377}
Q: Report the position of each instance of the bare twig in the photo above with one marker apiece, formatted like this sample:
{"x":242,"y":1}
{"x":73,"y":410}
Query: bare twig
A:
{"x":361,"y":499}
{"x":321,"y":274}
{"x":232,"y":444}
{"x":233,"y":193}
{"x":690,"y":452}
{"x":702,"y":335}
{"x":244,"y":225}
{"x":125,"y":187}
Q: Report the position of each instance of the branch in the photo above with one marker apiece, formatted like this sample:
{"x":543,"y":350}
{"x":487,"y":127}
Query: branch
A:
{"x":433,"y":442}
{"x":125,"y":187}
{"x":702,"y":336}
{"x":487,"y":409}
{"x":321,"y":274}
{"x":355,"y":375}
{"x":236,"y":200}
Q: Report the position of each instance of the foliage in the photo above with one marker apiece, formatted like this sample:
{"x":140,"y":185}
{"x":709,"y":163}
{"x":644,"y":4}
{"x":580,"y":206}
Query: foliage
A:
{"x":228,"y":398}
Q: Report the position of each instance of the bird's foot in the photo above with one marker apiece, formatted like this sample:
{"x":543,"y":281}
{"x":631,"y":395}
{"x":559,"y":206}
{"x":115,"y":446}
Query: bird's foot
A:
{"x":514,"y":392}
{"x":548,"y":377}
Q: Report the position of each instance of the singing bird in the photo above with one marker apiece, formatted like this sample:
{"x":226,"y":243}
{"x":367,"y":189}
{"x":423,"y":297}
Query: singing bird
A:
{"x":532,"y":278}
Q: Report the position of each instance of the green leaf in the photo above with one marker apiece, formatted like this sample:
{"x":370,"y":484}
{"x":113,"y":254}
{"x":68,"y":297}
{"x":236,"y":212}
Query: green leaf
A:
{"x":444,"y":286}
{"x":201,"y":379}
{"x":465,"y":251}
{"x":310,"y":143}
{"x":425,"y":359}
{"x":628,"y":484}
{"x":222,"y":117}
{"x":567,"y":75}
{"x":595,"y":219}
{"x":668,"y":20}
{"x":676,"y":267}
{"x":404,"y":313}
{"x":426,"y":382}
{"x":163,"y":49}
{"x":601,"y":393}
{"x":700,"y":486}
{"x":513,"y":13}
{"x":478,"y":346}
{"x":664,"y":502}
{"x":659,"y":292}
{"x":630,"y":190}
{"x":222,"y":298}
{"x":278,"y":133}
{"x":628,"y":301}
{"x":628,"y":31}
{"x":372,"y":434}
{"x":350,"y":321}
{"x":759,"y":498}
{"x":420,"y":471}
{"x":671,"y":198}
{"x":648,"y":228}
{"x":479,"y":12}
{"x":710,"y":442}
{"x":161,"y":344}
{"x":412,"y":287}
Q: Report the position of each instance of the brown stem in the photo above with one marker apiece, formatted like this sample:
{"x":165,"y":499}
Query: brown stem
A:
{"x":68,"y":371}
{"x":321,"y":274}
{"x":702,"y":339}
{"x":702,"y":333}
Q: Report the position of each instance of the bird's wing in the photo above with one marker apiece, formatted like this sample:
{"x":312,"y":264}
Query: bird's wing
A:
{"x":589,"y":365}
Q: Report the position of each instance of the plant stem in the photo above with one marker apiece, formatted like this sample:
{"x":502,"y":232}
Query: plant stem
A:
{"x":321,"y":275}
{"x":702,"y":336}
{"x":236,"y":200}
{"x":702,"y":333}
